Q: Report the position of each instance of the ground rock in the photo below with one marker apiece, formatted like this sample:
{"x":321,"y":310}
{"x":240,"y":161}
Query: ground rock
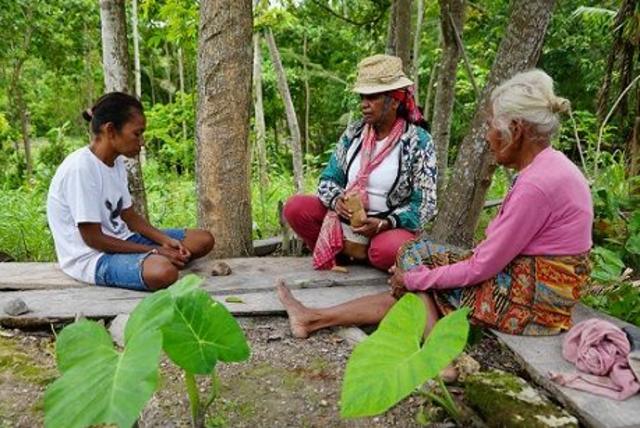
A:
{"x":503,"y":399}
{"x":16,"y":307}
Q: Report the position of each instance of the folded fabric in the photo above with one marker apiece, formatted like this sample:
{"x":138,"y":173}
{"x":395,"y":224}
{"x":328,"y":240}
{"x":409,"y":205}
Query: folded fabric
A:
{"x":600,"y":351}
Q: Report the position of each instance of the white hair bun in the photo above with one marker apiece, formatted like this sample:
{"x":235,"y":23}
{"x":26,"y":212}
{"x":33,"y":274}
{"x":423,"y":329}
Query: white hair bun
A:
{"x":560,"y":105}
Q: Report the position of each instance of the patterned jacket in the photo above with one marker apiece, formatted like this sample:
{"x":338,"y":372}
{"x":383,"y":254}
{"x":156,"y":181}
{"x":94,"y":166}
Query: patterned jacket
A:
{"x":412,"y":198}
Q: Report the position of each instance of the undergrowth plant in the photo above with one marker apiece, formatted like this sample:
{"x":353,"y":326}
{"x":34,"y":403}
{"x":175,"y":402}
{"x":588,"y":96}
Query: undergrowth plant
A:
{"x":102,"y":385}
{"x":395,"y":360}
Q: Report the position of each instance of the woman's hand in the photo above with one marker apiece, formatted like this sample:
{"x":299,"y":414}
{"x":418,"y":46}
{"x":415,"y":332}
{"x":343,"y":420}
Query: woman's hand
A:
{"x":341,"y":208}
{"x":371,"y":227}
{"x":397,"y":282}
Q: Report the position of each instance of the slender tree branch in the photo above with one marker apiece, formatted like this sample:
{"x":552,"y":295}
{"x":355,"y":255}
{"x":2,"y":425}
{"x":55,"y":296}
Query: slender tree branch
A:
{"x":347,"y":19}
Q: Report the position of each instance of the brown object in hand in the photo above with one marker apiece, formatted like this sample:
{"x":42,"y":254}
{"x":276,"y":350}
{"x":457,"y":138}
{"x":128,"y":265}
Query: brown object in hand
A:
{"x":221,"y":269}
{"x":354,"y":204}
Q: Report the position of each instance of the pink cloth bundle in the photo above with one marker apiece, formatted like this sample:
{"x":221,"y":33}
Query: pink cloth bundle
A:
{"x":600,"y":349}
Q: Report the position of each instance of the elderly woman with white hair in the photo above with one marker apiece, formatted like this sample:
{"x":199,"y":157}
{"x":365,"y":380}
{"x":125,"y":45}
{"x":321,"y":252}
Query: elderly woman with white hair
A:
{"x":526,"y":276}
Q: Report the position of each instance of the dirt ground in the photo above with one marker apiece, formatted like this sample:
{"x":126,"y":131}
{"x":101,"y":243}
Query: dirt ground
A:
{"x":286,"y":383}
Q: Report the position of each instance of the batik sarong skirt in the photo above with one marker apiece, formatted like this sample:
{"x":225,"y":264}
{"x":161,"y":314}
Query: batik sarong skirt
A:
{"x":532,"y":295}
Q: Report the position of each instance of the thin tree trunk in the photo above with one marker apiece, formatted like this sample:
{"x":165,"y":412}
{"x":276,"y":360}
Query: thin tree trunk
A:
{"x":167,"y":53}
{"x":417,"y":38}
{"x":466,"y":191}
{"x":307,"y":96}
{"x":626,"y":10}
{"x":445,"y":91}
{"x":26,"y":140}
{"x":399,"y":32}
{"x":182,"y":91}
{"x":152,"y":83}
{"x":429,"y":96}
{"x":292,"y":120}
{"x":391,"y":30}
{"x":136,"y":48}
{"x":403,"y":33}
{"x":634,"y":155}
{"x":115,"y":61}
{"x":222,"y":124}
{"x":259,"y":119}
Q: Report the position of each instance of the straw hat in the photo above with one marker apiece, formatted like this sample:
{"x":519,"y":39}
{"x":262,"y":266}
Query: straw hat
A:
{"x":380,"y":73}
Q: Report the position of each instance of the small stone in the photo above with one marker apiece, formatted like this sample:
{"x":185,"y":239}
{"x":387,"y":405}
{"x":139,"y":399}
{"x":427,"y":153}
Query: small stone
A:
{"x":220,"y":269}
{"x":323,"y":403}
{"x":274,"y":337}
{"x":16,"y":307}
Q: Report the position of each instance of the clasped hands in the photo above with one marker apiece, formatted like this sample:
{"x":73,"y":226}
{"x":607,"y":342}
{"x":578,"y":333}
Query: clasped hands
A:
{"x":175,"y":251}
{"x":371,"y":226}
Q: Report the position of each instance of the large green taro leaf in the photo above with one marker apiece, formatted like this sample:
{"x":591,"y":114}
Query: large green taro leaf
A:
{"x":100,"y":385}
{"x":157,"y":309}
{"x":387,"y":366}
{"x":202,"y":332}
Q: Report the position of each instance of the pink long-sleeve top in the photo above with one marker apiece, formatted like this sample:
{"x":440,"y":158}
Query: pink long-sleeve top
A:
{"x":548,"y":211}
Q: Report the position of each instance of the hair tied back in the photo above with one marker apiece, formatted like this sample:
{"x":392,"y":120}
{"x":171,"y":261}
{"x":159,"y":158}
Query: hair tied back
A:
{"x":87,"y":115}
{"x":560,"y":105}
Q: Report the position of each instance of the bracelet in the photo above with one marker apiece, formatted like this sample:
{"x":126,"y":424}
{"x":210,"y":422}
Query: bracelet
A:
{"x":379,"y":226}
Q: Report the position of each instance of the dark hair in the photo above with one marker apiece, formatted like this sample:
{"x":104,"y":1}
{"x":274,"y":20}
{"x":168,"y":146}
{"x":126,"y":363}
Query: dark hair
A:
{"x":114,"y":107}
{"x":403,"y":113}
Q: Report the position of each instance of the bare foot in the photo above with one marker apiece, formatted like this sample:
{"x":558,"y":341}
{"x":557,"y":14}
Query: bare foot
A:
{"x":295,"y":310}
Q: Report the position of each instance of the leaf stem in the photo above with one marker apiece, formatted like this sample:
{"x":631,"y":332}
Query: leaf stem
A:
{"x":194,"y":398}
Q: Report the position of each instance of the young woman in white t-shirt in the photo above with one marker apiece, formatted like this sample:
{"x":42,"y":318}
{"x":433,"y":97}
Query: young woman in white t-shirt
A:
{"x":99,"y":237}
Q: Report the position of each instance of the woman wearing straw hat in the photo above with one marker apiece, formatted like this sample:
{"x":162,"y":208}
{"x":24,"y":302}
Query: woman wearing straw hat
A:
{"x":384,"y":163}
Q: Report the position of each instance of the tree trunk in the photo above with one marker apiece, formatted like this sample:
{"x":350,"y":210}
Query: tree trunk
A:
{"x":292,"y":120}
{"x":464,"y":196}
{"x":307,"y":96}
{"x":625,"y":12}
{"x":182,"y":90}
{"x":259,"y":120}
{"x":169,"y":85}
{"x":445,"y":90}
{"x":417,"y":38}
{"x":391,"y":29}
{"x":136,"y":48}
{"x":26,"y":141}
{"x":222,"y":124}
{"x":115,"y":61}
{"x":429,"y":96}
{"x":399,"y":36}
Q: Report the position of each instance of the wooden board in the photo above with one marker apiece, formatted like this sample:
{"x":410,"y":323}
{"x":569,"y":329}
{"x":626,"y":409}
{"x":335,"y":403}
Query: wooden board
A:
{"x":254,"y":272}
{"x":55,"y":306}
{"x":540,"y":355}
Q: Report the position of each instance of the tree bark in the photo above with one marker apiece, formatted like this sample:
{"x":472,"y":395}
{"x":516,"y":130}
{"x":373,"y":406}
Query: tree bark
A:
{"x":136,"y":48}
{"x":292,"y":119}
{"x":259,"y":118}
{"x":445,"y":89}
{"x":115,"y":61}
{"x":399,"y":36}
{"x":182,"y":90}
{"x":417,"y":38}
{"x":222,"y":124}
{"x":307,"y":96}
{"x":464,"y":196}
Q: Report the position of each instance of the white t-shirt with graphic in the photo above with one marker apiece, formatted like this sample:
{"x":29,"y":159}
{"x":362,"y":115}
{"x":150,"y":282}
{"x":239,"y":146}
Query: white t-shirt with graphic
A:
{"x":86,"y":190}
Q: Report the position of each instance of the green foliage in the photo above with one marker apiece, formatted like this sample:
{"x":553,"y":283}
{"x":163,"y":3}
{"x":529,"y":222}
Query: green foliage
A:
{"x":621,"y":301}
{"x":98,"y":383}
{"x":391,"y":363}
{"x":102,"y":385}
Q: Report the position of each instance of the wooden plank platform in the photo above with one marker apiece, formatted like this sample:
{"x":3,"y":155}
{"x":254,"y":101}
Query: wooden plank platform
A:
{"x":540,"y":355}
{"x":53,"y":298}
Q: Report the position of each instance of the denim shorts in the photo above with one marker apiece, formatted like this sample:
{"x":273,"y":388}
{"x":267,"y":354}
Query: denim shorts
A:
{"x":124,"y":270}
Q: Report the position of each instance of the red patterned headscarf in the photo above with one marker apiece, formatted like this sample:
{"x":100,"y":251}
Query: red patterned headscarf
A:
{"x":406,"y":98}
